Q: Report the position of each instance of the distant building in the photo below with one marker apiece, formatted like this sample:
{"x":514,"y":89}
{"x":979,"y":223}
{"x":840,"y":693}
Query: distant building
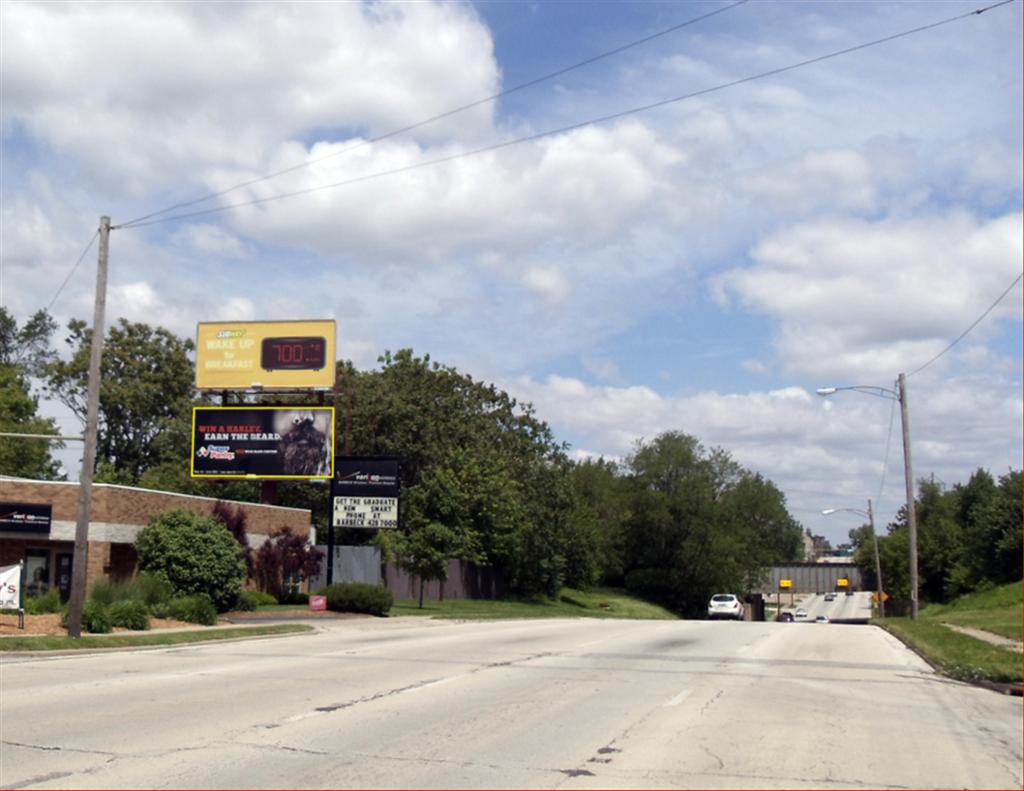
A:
{"x":815,"y":547}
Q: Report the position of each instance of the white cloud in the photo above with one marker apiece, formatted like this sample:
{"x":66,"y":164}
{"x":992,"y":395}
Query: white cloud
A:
{"x":210,"y":240}
{"x":863,"y":299}
{"x":187,"y":86}
{"x":549,"y":284}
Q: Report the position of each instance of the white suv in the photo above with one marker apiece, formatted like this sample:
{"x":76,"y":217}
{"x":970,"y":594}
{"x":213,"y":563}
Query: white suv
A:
{"x":725,"y":605}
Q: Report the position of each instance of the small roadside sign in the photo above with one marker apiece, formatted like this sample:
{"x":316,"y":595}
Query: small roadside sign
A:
{"x":318,"y":602}
{"x":842,"y":582}
{"x":785,"y":584}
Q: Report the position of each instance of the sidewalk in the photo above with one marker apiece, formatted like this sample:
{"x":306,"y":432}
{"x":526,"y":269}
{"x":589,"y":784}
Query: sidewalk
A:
{"x":988,"y":637}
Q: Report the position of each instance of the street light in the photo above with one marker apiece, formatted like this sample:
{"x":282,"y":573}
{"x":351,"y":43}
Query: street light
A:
{"x":878,"y":565}
{"x":899,"y":395}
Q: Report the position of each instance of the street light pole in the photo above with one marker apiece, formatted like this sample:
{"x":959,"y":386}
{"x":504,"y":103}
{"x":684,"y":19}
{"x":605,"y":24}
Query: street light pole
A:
{"x":870,"y":514}
{"x":878,"y":563}
{"x":908,"y":469}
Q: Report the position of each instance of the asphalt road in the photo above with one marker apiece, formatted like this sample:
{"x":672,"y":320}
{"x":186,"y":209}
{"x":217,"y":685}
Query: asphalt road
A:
{"x":582,"y":703}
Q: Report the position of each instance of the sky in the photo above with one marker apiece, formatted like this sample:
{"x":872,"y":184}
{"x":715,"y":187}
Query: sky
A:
{"x":702,"y":266}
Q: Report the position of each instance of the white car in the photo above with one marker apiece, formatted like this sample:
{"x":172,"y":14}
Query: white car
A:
{"x":725,"y":605}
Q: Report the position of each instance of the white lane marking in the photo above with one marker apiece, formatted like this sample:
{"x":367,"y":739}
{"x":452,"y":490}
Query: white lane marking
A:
{"x":679,"y":698}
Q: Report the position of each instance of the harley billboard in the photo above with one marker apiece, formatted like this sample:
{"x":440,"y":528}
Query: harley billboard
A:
{"x":262,"y":442}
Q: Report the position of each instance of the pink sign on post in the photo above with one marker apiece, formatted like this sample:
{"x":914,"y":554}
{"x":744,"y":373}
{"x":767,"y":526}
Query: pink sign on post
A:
{"x":318,"y":602}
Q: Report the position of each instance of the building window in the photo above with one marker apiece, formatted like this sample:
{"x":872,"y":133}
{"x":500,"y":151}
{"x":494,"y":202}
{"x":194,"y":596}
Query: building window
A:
{"x":37,"y":572}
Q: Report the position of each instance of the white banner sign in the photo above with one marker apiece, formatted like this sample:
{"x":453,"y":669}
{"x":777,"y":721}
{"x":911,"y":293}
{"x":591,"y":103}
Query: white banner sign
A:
{"x":10,"y":587}
{"x":373,"y":512}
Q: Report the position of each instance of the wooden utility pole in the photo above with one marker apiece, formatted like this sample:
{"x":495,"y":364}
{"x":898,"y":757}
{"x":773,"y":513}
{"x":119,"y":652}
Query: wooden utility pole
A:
{"x":81,"y":556}
{"x":908,"y":474}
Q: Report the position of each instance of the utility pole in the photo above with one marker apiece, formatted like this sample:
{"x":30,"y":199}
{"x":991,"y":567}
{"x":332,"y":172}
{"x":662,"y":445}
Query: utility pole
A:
{"x":908,"y":471}
{"x":878,"y":564}
{"x":81,"y":556}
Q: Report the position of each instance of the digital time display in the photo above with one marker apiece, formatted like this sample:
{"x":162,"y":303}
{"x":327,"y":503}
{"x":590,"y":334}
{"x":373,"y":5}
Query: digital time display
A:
{"x":293,"y":354}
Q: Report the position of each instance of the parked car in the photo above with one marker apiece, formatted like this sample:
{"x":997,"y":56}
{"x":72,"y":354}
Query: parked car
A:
{"x":821,"y":619}
{"x":725,"y":605}
{"x":784,"y":617}
{"x":801,"y":613}
{"x":830,"y":597}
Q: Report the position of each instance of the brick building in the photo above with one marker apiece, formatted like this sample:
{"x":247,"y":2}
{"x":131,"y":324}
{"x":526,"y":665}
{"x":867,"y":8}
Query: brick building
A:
{"x":45,"y":542}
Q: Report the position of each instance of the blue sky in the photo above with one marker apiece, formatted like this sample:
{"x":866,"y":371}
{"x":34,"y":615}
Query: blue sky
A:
{"x":700,"y":267}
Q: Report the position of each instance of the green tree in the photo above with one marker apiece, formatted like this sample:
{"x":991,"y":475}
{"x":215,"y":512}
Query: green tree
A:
{"x":601,"y":502}
{"x":146,"y":393}
{"x":699,"y":523}
{"x":195,"y":554}
{"x":19,"y":414}
{"x":425,"y":552}
{"x":26,"y":347}
{"x":474,"y":461}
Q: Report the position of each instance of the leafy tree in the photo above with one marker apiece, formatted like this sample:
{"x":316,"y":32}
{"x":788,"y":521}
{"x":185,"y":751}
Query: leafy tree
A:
{"x":602,"y":503}
{"x":25,"y":458}
{"x":236,"y":521}
{"x":474,"y":461}
{"x":196,"y":554}
{"x":146,"y":392}
{"x":284,"y":559}
{"x":28,"y":347}
{"x":425,"y":552}
{"x":698,"y":523}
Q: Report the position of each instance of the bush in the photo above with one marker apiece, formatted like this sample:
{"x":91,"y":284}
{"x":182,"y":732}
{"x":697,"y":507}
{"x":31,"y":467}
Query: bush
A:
{"x":195,"y":554}
{"x":194,"y":609}
{"x":130,"y":614}
{"x":262,"y":599}
{"x":47,"y":603}
{"x":95,"y":618}
{"x":295,"y":597}
{"x":152,"y":589}
{"x":358,"y":597}
{"x":106,"y":592}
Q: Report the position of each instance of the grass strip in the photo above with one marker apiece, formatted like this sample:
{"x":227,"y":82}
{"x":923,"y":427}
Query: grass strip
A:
{"x":598,"y":603}
{"x":157,"y":638}
{"x":956,"y":655}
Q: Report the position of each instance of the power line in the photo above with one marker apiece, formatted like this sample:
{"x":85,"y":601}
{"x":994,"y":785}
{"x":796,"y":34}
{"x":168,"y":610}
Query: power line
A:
{"x":73,"y":270}
{"x":539,"y":135}
{"x":976,"y":322}
{"x":446,"y":114}
{"x":885,"y":461}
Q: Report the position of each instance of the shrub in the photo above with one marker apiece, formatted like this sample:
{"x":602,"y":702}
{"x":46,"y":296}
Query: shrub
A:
{"x":47,"y":603}
{"x":106,"y":592}
{"x":196,"y":554}
{"x":295,"y":597}
{"x":262,"y":599}
{"x":152,"y":589}
{"x":194,"y":609}
{"x":130,"y":614}
{"x":285,"y":558}
{"x":358,"y":597}
{"x":95,"y":618}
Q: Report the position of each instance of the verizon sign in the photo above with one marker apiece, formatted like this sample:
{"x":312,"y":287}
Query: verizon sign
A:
{"x":364,"y":492}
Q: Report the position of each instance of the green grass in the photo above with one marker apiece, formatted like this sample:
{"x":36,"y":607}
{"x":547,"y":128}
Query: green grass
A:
{"x":997,"y":610}
{"x":158,"y":638}
{"x":956,"y":655}
{"x":598,"y":603}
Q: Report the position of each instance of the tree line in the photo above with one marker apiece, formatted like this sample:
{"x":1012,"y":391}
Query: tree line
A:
{"x":968,"y":538}
{"x":484,"y":479}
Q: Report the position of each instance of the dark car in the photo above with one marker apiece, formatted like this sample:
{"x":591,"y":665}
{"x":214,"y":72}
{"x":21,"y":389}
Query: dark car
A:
{"x":784,"y":617}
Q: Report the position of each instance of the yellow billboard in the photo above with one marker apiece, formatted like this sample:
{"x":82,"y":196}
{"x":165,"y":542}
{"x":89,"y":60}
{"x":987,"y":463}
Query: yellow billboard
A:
{"x":266,"y":355}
